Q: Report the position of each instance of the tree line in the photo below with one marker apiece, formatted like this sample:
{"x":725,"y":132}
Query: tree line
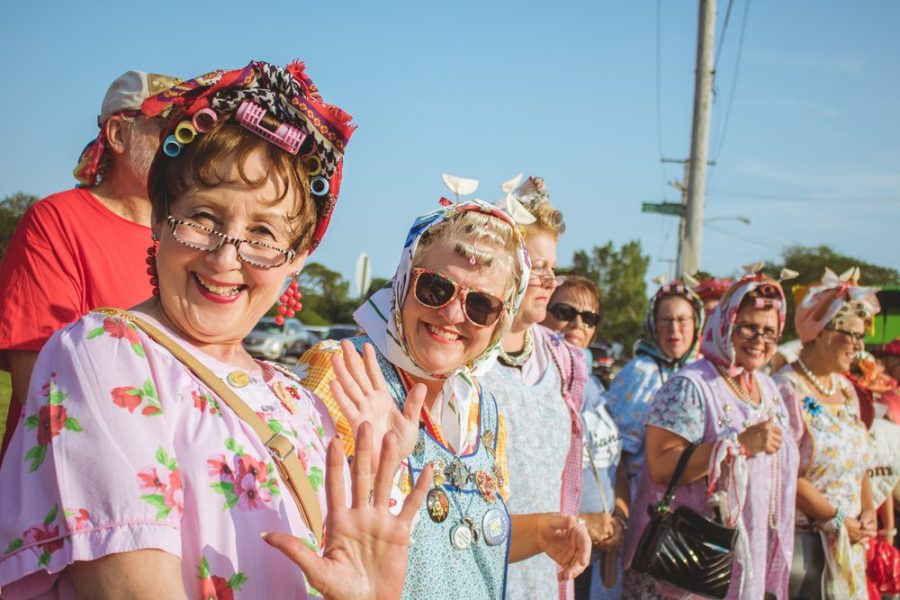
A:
{"x":620,"y":273}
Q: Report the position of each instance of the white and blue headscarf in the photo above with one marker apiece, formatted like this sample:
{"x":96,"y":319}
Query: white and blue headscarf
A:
{"x":380,"y":318}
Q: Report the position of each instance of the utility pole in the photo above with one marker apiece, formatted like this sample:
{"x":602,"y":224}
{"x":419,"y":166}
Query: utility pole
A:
{"x":691,"y":241}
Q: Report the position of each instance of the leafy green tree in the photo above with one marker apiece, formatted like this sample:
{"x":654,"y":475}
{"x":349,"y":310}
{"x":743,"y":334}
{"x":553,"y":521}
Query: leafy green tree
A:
{"x":810,"y":262}
{"x":376,"y":284}
{"x":11,"y":210}
{"x":620,"y":276}
{"x":326,"y":296}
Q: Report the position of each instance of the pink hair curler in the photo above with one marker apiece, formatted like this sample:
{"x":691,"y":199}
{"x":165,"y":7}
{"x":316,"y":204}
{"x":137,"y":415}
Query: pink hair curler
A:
{"x":284,"y":135}
{"x":204,"y":119}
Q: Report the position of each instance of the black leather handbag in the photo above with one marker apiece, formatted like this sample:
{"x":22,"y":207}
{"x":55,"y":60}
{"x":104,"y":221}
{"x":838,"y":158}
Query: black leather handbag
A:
{"x":683,"y":548}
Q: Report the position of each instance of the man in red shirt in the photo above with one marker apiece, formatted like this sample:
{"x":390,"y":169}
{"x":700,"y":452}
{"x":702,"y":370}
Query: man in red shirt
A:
{"x":86,"y":247}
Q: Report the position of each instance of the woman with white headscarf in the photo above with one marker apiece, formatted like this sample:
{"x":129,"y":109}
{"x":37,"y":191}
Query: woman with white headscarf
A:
{"x":435,"y":331}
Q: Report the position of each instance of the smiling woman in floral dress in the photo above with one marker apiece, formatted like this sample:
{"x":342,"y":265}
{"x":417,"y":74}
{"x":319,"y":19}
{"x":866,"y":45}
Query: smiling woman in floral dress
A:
{"x":834,"y":496}
{"x":133,"y":477}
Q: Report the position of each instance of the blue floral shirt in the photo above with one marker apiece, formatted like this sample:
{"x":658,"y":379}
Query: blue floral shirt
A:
{"x":628,"y":401}
{"x":678,"y":407}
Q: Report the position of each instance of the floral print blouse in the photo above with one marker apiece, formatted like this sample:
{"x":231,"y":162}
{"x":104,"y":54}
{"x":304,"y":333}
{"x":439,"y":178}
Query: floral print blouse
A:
{"x":834,"y":454}
{"x":123,"y":449}
{"x":628,"y":400}
{"x":834,"y":443}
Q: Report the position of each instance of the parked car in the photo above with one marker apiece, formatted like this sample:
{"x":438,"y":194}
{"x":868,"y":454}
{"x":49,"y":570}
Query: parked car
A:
{"x":340,"y":331}
{"x":316,"y":335}
{"x":319,"y":333}
{"x":270,"y":340}
{"x":607,"y":360}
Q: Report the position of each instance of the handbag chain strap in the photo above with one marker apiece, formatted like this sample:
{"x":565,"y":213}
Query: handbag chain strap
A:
{"x":279,"y":446}
{"x":663,"y":506}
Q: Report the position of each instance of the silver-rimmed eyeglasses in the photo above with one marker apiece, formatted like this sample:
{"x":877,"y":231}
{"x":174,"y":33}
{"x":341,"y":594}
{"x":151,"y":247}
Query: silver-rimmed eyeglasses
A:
{"x":258,"y":254}
{"x":545,"y":278}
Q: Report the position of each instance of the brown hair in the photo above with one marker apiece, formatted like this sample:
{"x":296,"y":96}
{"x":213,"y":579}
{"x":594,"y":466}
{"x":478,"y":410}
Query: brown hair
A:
{"x":581,"y":284}
{"x":199,"y":164}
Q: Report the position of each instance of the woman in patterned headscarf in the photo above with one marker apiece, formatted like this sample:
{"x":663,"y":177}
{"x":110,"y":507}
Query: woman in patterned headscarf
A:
{"x":434,"y":332}
{"x":153,"y":447}
{"x":725,"y":406}
{"x":671,"y":336}
{"x":834,"y":496}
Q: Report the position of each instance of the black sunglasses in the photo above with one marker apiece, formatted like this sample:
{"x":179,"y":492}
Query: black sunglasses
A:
{"x":436,"y":290}
{"x":566,"y":312}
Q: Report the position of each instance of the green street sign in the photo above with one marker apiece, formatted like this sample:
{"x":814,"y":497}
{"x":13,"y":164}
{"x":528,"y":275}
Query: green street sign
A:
{"x":664,"y":208}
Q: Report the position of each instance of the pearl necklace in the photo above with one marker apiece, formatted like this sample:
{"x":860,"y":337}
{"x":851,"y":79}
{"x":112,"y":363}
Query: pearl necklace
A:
{"x":775,"y":493}
{"x":775,"y":476}
{"x":825,"y":391}
{"x":519,"y":359}
{"x":735,"y":386}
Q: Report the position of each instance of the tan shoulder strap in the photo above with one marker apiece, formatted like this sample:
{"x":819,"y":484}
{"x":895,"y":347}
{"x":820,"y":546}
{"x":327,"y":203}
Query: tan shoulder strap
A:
{"x":279,"y":446}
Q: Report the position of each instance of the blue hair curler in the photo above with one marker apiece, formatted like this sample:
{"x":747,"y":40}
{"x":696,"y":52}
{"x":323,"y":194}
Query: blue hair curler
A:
{"x":319,"y":186}
{"x":171,"y":147}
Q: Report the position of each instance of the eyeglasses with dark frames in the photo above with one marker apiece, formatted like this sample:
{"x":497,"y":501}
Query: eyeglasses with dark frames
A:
{"x":436,"y":290}
{"x":199,"y":237}
{"x":751,"y":332}
{"x":562,"y":311}
{"x":856,"y":338}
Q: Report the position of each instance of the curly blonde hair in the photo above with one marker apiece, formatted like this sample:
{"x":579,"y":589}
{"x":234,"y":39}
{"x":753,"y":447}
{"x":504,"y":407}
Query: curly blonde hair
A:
{"x":547,"y":218}
{"x":487,"y":242}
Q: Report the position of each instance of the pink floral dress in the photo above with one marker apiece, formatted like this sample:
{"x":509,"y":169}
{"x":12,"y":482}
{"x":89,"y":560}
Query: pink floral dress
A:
{"x":123,"y":449}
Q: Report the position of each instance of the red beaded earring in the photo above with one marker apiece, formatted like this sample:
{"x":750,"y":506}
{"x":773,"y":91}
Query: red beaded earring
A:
{"x":290,"y":301}
{"x":151,"y":266}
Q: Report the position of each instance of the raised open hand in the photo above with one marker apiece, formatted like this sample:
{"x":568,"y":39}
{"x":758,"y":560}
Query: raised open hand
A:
{"x":362,"y":394}
{"x":566,"y":541}
{"x":365,"y":545}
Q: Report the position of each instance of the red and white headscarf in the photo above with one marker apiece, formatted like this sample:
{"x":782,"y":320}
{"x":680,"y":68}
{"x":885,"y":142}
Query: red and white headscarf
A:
{"x":717,"y":345}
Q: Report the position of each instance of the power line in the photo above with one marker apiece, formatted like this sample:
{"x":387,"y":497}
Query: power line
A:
{"x":658,"y":79}
{"x":804,"y":199}
{"x":722,"y":37}
{"x":720,"y":138}
{"x":662,"y":167}
{"x":742,"y":238}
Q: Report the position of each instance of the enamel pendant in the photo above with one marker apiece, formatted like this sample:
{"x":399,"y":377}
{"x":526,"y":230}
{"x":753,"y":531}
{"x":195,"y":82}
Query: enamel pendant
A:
{"x":461,"y":536}
{"x":495,"y":526}
{"x":437,"y":504}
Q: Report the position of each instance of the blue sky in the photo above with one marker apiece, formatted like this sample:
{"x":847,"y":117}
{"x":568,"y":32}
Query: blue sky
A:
{"x":565,"y":90}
